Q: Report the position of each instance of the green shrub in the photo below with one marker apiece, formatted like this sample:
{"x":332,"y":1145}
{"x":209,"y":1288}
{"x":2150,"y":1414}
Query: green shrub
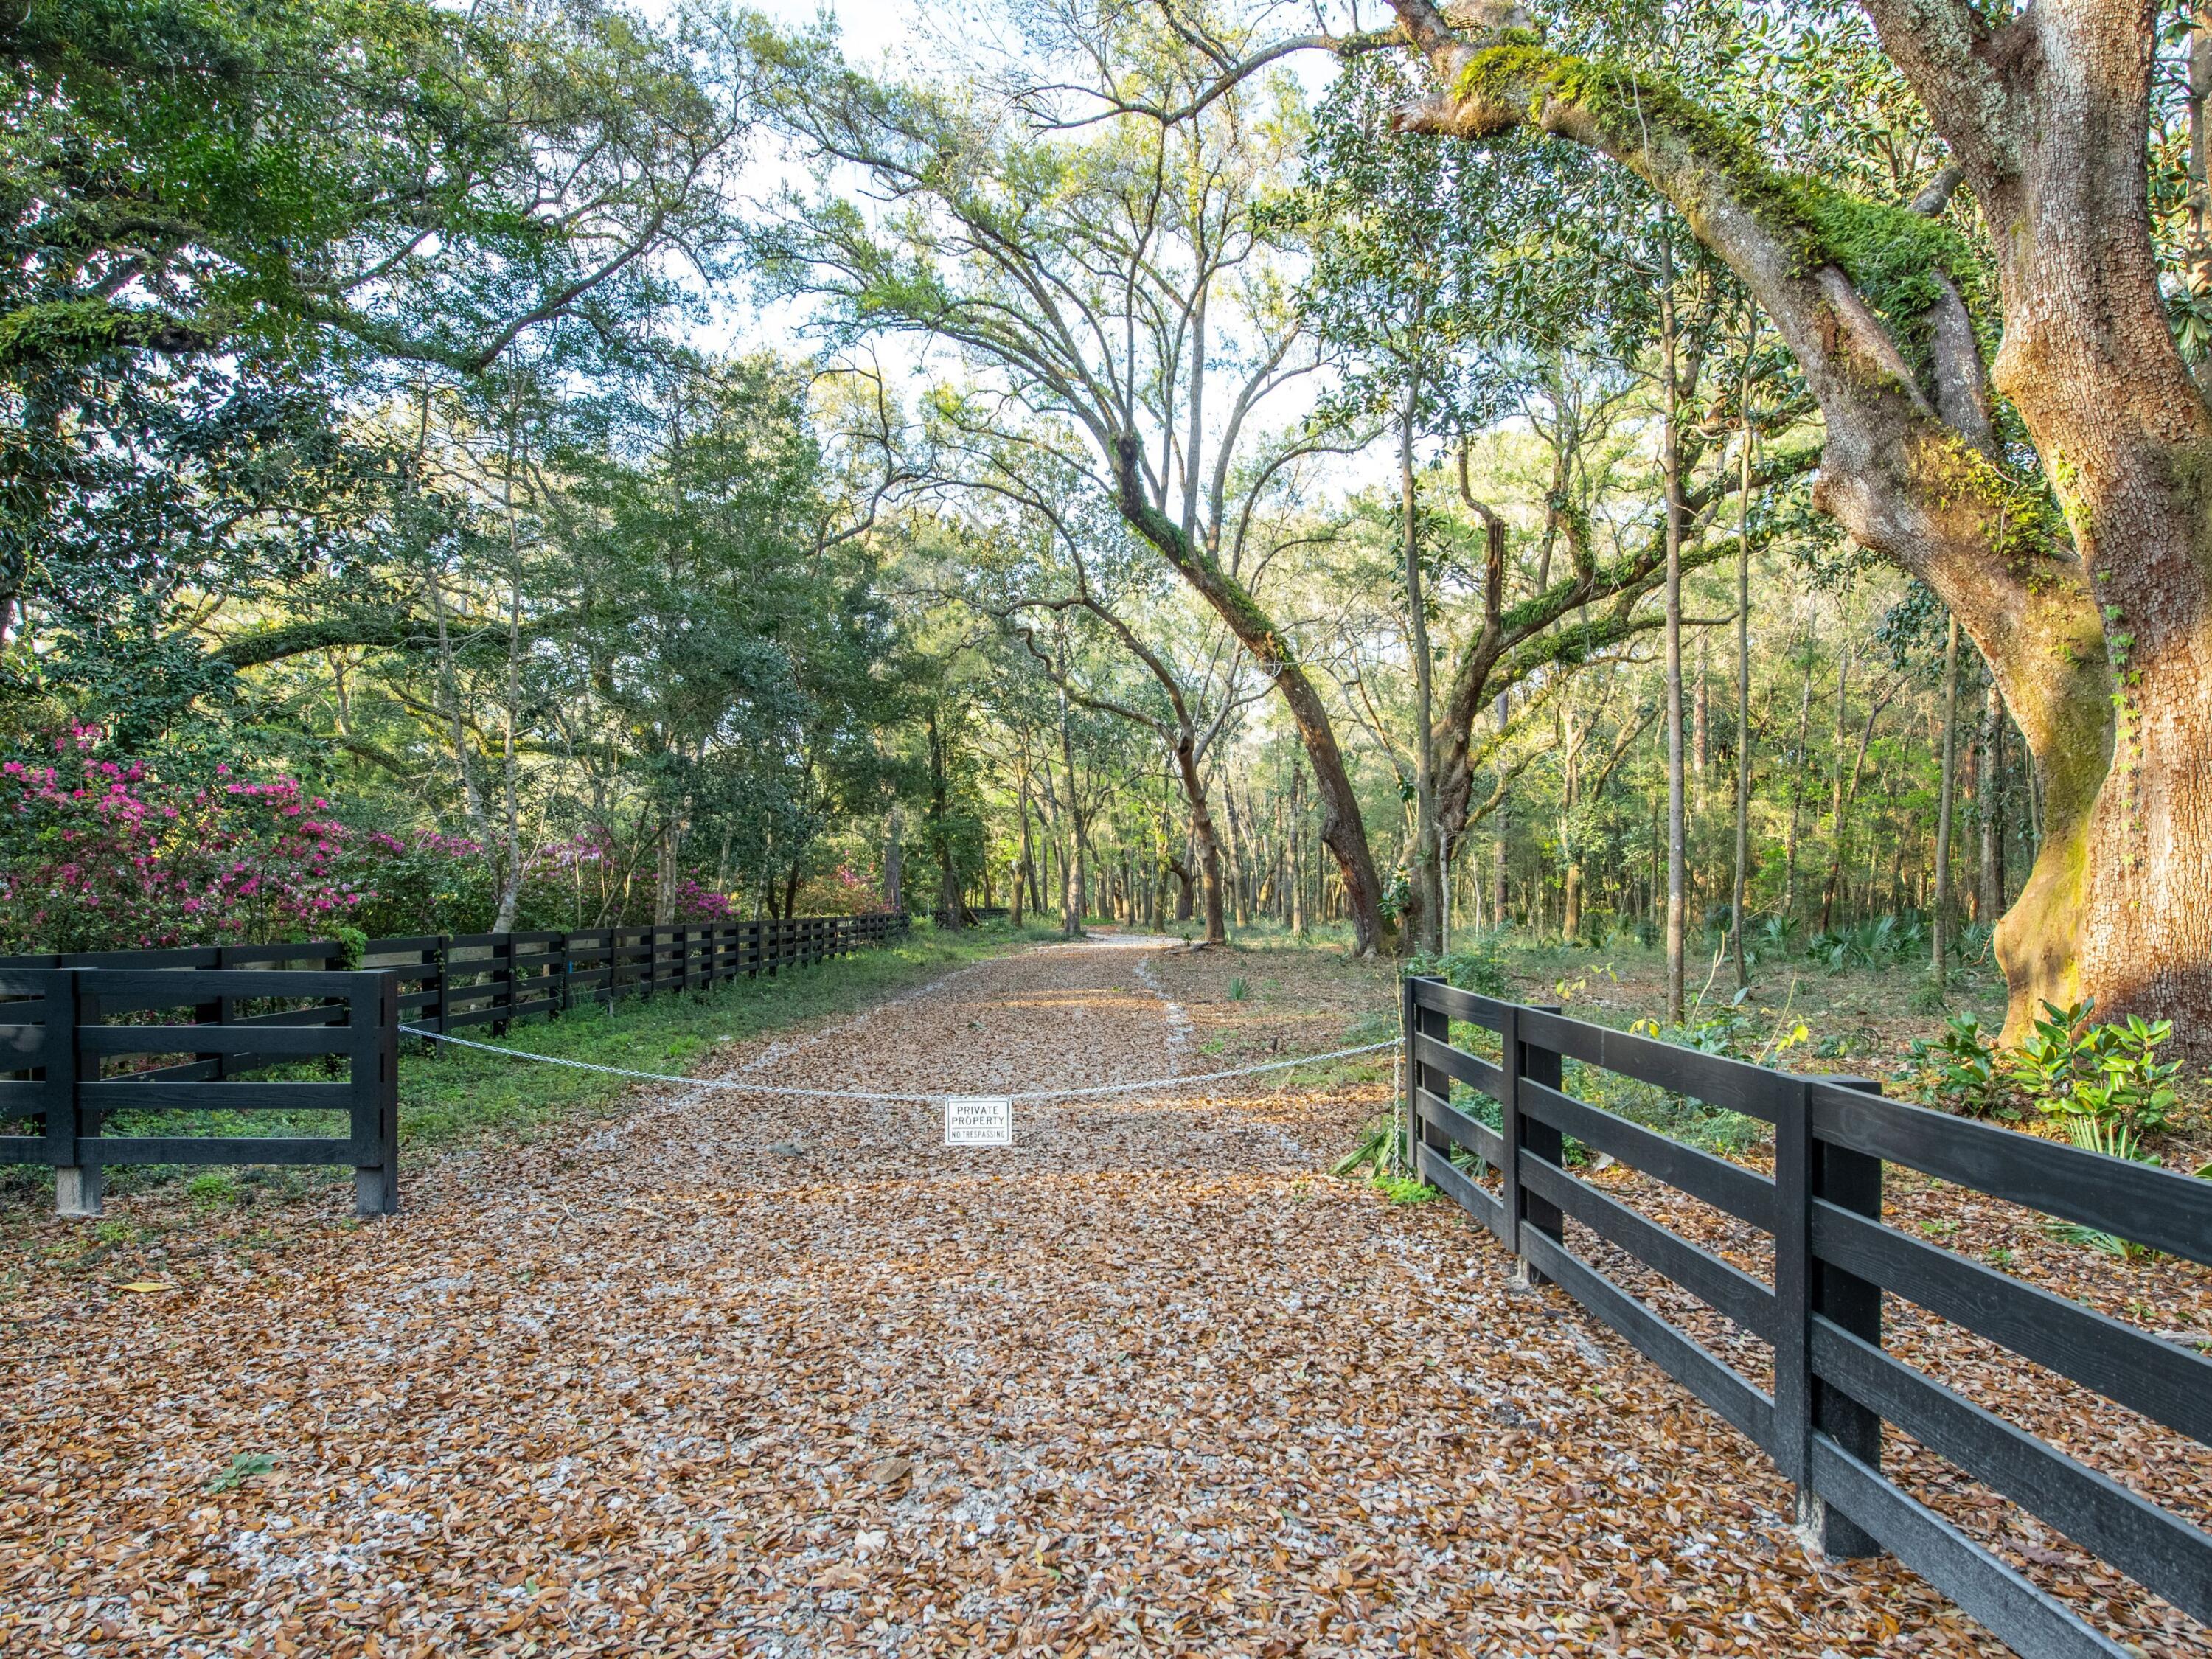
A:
{"x":2055,"y":1054}
{"x":1773,"y":937}
{"x":1404,"y":1190}
{"x":2110,"y":1137}
{"x":2132,"y":1089}
{"x":1476,"y":964}
{"x":2103,"y":1081}
{"x":1963,"y":1071}
{"x":1374,"y":1148}
{"x":1875,"y":942}
{"x":214,"y":1190}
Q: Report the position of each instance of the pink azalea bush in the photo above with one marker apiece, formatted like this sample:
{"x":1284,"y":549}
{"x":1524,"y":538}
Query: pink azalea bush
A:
{"x":97,"y":853}
{"x":101,"y":854}
{"x":697,"y":904}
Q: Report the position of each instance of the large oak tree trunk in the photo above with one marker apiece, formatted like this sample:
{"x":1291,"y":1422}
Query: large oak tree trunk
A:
{"x":2048,"y":116}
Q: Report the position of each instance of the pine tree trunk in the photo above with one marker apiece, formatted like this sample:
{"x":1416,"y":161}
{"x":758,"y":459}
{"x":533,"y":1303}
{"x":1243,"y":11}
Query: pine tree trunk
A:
{"x":1738,"y":890}
{"x":1938,"y":906}
{"x":1677,"y":838}
{"x":1797,"y":778}
{"x":1423,"y":931}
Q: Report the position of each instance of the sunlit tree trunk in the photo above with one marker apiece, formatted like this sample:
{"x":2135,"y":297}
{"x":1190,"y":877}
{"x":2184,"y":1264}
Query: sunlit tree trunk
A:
{"x":1016,"y":911}
{"x":1940,"y":903}
{"x":1812,"y":648}
{"x":1670,"y":454}
{"x":1740,"y":887}
{"x":1424,"y":934}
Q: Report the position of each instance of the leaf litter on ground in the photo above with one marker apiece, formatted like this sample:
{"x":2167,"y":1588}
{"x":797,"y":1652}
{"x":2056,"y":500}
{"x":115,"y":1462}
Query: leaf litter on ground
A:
{"x":1148,"y":1381}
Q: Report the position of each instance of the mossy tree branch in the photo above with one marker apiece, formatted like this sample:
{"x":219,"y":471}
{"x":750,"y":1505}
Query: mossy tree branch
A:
{"x":1869,"y":299}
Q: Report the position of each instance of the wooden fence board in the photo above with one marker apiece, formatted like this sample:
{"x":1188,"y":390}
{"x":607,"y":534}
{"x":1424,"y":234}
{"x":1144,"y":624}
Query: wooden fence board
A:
{"x":311,"y":1151}
{"x":1834,"y":1386}
{"x":2159,"y":1379}
{"x":1439,"y":1172}
{"x":322,"y":1038}
{"x":2162,"y":1550}
{"x":1680,"y":1355}
{"x":1744,"y":1194}
{"x":1477,"y":1137}
{"x":2032,"y":1622}
{"x":436,"y":981}
{"x":128,"y":1095}
{"x":1484,"y":1077}
{"x":2158,"y":1207}
{"x":1726,"y":1289}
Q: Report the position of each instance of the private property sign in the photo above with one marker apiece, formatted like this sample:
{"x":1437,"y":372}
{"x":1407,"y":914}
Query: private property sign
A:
{"x":979,"y":1120}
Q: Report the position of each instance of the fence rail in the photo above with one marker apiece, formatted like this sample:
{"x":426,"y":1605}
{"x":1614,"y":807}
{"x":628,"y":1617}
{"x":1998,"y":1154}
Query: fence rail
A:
{"x":1820,"y":1312}
{"x":87,"y":1034}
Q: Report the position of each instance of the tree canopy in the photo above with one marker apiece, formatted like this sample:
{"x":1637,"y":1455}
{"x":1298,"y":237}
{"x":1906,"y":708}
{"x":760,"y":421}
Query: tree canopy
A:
{"x":1505,"y":465}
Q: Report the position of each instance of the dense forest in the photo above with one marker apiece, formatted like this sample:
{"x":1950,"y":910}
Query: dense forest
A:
{"x":1724,"y":473}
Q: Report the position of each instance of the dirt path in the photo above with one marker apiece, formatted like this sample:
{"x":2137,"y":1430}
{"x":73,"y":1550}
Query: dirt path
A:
{"x":1146,"y":1382}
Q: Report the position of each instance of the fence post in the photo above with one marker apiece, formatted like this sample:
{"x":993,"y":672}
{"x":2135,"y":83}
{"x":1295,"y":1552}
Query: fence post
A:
{"x":220,"y":1010}
{"x":1525,"y":1135}
{"x":1427,"y":1022}
{"x":441,"y":989}
{"x":502,"y":962}
{"x":1793,"y":1287}
{"x":1508,"y":1132}
{"x":78,"y":1187}
{"x":1850,"y":1181}
{"x":1436,"y":1023}
{"x":372,"y":1013}
{"x":1408,"y":1014}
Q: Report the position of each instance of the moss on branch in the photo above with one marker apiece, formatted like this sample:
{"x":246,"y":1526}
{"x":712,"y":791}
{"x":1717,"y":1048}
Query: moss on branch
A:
{"x":1896,"y":259}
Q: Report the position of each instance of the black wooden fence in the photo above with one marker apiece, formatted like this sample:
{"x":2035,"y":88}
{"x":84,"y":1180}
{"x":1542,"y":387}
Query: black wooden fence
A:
{"x":79,"y":1045}
{"x":85,"y":1035}
{"x":1833,"y":1258}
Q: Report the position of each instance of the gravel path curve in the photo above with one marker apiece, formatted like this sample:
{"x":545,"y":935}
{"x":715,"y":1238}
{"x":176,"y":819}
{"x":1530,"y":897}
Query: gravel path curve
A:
{"x":729,"y":1376}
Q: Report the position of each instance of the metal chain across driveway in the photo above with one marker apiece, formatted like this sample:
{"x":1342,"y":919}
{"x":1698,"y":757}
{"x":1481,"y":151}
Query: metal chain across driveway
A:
{"x":737,"y":1087}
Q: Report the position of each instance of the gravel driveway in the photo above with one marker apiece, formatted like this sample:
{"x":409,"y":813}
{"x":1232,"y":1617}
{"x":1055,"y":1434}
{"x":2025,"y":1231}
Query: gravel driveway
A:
{"x":730,"y":1375}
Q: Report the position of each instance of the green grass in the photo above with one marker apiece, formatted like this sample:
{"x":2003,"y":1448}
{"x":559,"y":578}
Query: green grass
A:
{"x":1404,"y":1190}
{"x":1259,"y":935}
{"x":453,"y":1096}
{"x":460,"y":1094}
